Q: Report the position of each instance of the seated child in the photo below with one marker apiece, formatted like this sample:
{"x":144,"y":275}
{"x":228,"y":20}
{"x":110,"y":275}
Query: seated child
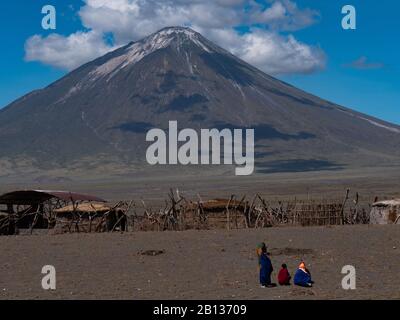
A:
{"x":284,"y":276}
{"x":302,"y":276}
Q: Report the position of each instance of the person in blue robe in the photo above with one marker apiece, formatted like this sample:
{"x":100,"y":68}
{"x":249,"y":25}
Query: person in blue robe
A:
{"x":265,"y":269}
{"x":302,"y":276}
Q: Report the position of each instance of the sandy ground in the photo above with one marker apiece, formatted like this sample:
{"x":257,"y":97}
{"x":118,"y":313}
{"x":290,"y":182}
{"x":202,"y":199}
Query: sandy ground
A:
{"x":201,"y":264}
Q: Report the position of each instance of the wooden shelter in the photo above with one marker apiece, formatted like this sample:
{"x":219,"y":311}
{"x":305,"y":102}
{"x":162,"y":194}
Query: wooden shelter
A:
{"x":90,"y":217}
{"x":28,"y":209}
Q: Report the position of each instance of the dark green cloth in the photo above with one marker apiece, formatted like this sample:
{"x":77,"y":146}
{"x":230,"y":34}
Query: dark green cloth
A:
{"x":261,"y":245}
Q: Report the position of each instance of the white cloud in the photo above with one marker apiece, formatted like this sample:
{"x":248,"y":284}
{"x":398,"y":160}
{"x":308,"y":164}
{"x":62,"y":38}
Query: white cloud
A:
{"x":129,"y":20}
{"x":280,"y":55}
{"x":285,"y":15}
{"x":276,"y":12}
{"x":133,"y":19}
{"x":65,"y":52}
{"x":270,"y":52}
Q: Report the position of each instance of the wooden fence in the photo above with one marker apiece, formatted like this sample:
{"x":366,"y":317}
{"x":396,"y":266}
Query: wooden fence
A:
{"x":181,"y":214}
{"x":233,"y":213}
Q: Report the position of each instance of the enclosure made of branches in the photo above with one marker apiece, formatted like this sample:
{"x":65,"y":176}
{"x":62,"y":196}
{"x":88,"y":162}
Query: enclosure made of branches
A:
{"x":93,"y":219}
{"x":179,"y":214}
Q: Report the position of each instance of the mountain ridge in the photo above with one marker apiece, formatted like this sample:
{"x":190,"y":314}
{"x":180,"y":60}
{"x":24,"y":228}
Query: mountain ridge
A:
{"x":97,"y":115}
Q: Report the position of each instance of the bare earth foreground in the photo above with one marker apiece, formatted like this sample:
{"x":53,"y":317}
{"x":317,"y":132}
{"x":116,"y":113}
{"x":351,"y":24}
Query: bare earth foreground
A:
{"x":213,"y":264}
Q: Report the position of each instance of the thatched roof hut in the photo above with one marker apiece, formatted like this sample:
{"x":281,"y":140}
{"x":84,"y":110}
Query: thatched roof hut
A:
{"x":385,"y":212}
{"x":89,"y":217}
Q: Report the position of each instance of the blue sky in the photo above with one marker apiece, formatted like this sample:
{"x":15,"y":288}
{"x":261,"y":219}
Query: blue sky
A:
{"x":360,"y":67}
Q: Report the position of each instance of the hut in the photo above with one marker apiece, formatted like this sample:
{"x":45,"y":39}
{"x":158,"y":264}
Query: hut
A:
{"x":28,"y":209}
{"x":90,"y":217}
{"x":218,"y":213}
{"x":385,"y":212}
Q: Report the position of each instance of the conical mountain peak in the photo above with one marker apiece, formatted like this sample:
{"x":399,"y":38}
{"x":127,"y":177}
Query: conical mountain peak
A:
{"x":177,"y":37}
{"x":98,"y":115}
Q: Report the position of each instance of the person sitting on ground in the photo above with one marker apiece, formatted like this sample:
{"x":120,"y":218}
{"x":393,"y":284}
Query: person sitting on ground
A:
{"x":284,"y":276}
{"x":302,"y":276}
{"x":265,"y":268}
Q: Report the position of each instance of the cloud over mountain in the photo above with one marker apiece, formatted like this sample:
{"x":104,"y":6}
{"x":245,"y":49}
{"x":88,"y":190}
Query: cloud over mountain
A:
{"x":65,"y":52}
{"x":262,"y":45}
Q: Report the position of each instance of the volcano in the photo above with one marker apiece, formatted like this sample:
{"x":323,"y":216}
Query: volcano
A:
{"x":95,"y":118}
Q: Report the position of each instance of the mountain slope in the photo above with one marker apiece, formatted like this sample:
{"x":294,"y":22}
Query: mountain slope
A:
{"x":97,"y":116}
